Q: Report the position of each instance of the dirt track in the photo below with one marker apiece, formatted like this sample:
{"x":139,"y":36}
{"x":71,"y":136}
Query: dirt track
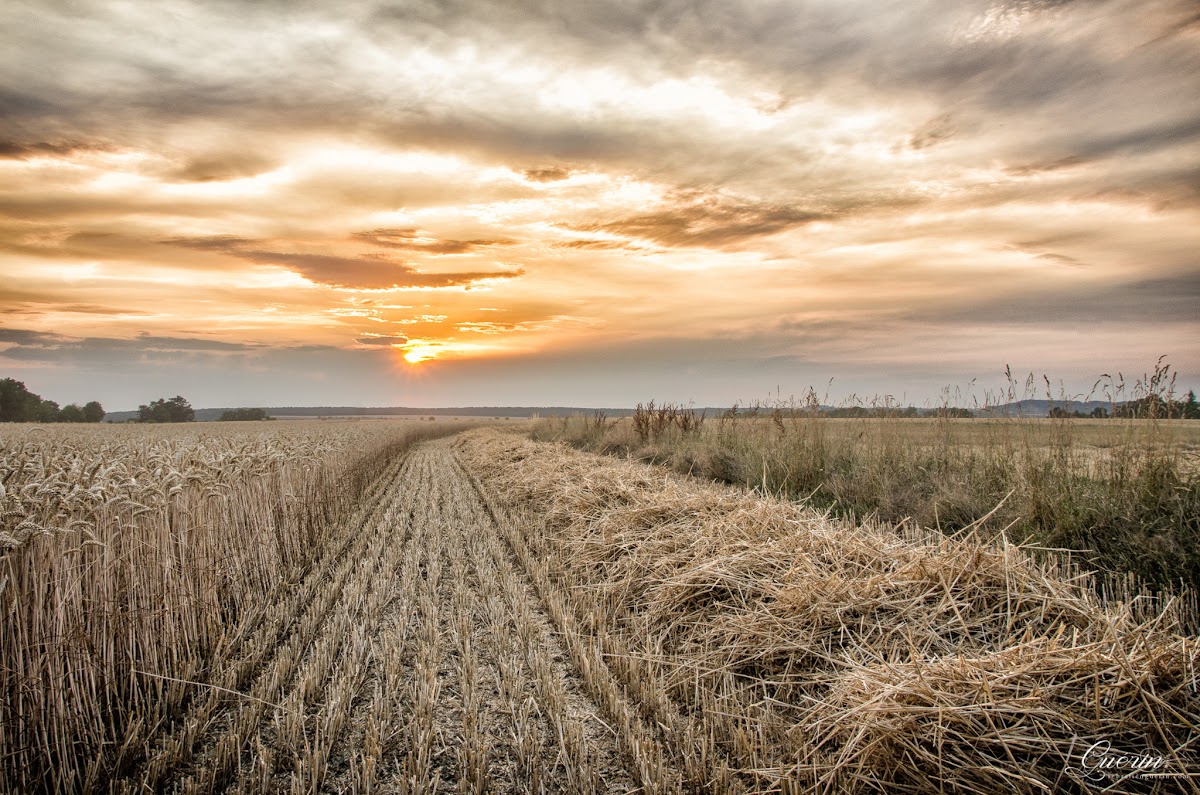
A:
{"x":416,"y":656}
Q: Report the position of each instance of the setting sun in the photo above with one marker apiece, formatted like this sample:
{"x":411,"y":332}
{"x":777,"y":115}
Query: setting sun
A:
{"x":420,"y":353}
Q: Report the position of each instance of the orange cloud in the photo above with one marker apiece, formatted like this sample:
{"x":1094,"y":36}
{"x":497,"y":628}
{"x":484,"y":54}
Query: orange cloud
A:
{"x":362,"y":272}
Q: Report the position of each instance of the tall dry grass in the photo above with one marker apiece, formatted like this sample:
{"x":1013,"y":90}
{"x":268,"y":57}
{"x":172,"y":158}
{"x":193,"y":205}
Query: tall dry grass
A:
{"x":134,"y":562}
{"x":1123,"y":494}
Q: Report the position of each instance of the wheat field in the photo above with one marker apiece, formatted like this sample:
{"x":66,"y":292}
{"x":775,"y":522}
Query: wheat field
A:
{"x":399,"y":608}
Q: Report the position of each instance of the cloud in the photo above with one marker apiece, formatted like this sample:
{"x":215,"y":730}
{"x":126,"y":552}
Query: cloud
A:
{"x":1035,"y":251}
{"x":381,"y":340}
{"x":695,"y":219}
{"x":151,"y":342}
{"x":801,"y":151}
{"x":1156,"y":303}
{"x":35,"y":346}
{"x":1061,"y":259}
{"x":365,"y":272}
{"x":30,"y":337}
{"x":20,"y":150}
{"x":416,"y":240}
{"x":593,"y":244}
{"x":1034,"y":67}
{"x":935,"y":131}
{"x":1096,"y":147}
{"x":549,"y":174}
{"x":45,"y":307}
{"x":218,"y":166}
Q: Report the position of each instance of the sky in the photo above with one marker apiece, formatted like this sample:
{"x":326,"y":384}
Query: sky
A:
{"x":524,"y":202}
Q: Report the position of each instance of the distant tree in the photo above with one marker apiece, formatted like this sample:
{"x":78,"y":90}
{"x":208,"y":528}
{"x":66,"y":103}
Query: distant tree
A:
{"x":18,"y":404}
{"x":46,"y":411}
{"x":1190,"y":409}
{"x":1150,"y":407}
{"x":244,"y":415}
{"x":1100,"y":413}
{"x":15,"y":401}
{"x":177,"y":409}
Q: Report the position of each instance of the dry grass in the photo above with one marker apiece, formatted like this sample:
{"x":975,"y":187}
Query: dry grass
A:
{"x":775,"y":649}
{"x":1123,"y":494}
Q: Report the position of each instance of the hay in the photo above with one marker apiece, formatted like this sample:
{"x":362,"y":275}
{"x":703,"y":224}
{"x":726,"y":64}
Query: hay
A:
{"x":815,"y":653}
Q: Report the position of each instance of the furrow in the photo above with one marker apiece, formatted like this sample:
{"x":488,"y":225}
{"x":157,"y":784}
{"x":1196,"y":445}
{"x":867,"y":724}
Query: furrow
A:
{"x":257,"y":646}
{"x":218,"y":764}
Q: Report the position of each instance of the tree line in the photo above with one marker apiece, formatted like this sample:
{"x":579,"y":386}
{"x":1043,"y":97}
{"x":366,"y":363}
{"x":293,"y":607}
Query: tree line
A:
{"x":1149,"y":407}
{"x":177,"y":409}
{"x":18,"y":404}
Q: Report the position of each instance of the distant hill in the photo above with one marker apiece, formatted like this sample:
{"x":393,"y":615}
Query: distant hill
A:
{"x":1041,"y":408}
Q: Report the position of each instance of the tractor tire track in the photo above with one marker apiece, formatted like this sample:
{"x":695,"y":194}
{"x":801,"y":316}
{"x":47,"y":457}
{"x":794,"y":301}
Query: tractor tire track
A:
{"x":415,"y":656}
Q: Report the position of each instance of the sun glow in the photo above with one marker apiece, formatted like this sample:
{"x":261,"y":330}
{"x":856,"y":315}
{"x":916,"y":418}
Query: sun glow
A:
{"x":417,"y":352}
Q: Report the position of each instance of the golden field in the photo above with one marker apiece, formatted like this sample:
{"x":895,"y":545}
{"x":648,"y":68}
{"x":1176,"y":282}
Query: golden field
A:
{"x":403,"y":607}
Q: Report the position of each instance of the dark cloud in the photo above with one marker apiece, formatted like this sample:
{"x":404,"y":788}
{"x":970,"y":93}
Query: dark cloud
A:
{"x":1166,"y":300}
{"x":1036,"y":67}
{"x":709,"y":220}
{"x":935,"y":131}
{"x":1047,"y":166}
{"x":1180,"y":27}
{"x":223,"y":244}
{"x":367,"y":272}
{"x":1093,"y":147}
{"x":222,"y":166}
{"x":20,"y":150}
{"x":44,"y":307}
{"x":29,"y":337}
{"x":381,"y":340}
{"x":1037,"y":252}
{"x":416,"y":240}
{"x":550,"y":174}
{"x":14,"y":105}
{"x":1062,"y":259}
{"x":34,"y":346}
{"x":363,"y":272}
{"x":150,"y":342}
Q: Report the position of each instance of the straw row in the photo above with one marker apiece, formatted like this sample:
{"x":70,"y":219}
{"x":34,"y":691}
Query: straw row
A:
{"x":781,"y":650}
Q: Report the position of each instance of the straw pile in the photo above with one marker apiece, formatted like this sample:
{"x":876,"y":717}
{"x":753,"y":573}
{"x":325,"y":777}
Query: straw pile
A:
{"x":782,"y":650}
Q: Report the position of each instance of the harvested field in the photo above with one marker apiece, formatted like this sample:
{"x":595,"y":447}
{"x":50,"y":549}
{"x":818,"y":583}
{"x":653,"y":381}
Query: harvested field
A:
{"x":490,"y":614}
{"x":775,"y":649}
{"x":412,"y":655}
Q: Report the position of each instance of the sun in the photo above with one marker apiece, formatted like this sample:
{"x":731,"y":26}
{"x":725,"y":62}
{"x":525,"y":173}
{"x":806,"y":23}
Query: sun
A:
{"x":415,"y":354}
